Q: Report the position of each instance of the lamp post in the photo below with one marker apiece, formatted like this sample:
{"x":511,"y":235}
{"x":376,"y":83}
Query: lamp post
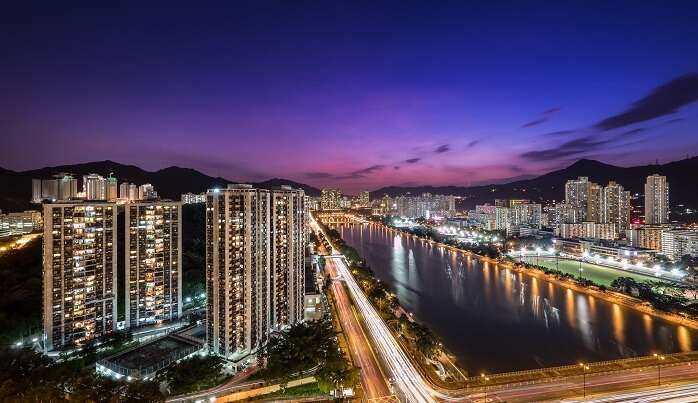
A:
{"x":660,"y":358}
{"x":485,"y":379}
{"x":585,"y":368}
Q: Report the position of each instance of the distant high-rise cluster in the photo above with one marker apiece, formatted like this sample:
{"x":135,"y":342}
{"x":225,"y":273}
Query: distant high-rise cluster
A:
{"x":19,"y":223}
{"x":507,"y":215}
{"x":95,"y":187}
{"x":61,"y":187}
{"x":425,"y":206}
{"x":255,"y":252}
{"x":592,"y":211}
{"x":362,"y":200}
{"x":81,"y":254}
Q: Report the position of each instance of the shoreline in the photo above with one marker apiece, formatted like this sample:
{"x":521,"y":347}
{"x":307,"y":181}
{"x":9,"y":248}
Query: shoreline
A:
{"x":608,"y":295}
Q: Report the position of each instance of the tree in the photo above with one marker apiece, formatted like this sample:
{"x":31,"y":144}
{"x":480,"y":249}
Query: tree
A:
{"x":304,"y":346}
{"x":193,"y":374}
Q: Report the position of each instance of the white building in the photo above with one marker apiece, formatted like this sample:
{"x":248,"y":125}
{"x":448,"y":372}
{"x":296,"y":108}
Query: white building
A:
{"x":656,"y":200}
{"x":588,"y":230}
{"x":94,"y":187}
{"x":680,"y":242}
{"x":62,"y":187}
{"x":425,"y":206}
{"x":193,"y":198}
{"x":13,"y":224}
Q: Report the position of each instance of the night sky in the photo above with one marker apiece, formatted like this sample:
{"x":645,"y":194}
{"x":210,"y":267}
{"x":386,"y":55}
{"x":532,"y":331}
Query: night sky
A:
{"x":357,"y":94}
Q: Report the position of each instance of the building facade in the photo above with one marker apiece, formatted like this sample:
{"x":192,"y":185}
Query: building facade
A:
{"x":615,"y":206}
{"x":656,"y":200}
{"x":677,"y":243}
{"x":288,"y":240}
{"x":94,"y":187}
{"x":79,"y":272}
{"x":255,"y":249}
{"x":153,"y":262}
{"x":330,"y":199}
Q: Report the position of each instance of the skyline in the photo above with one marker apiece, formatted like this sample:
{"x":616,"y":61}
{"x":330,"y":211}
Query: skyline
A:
{"x":413,"y":95}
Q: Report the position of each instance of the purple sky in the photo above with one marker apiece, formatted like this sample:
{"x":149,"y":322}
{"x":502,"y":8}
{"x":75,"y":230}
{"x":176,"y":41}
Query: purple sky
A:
{"x":352,"y":94}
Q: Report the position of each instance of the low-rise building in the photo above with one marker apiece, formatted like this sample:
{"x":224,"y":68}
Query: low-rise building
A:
{"x":677,"y":243}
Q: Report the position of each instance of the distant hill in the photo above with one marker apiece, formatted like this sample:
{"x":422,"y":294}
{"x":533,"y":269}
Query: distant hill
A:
{"x":551,"y":186}
{"x":171,"y":182}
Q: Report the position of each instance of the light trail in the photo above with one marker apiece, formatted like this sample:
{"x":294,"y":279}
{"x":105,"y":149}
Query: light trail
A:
{"x":405,"y":376}
{"x":675,"y":394}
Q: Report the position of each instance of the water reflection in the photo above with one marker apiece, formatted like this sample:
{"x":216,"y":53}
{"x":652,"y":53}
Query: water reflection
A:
{"x":494,"y":319}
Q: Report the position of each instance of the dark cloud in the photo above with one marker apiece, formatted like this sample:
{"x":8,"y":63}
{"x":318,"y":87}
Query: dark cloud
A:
{"x":318,"y":175}
{"x":361,"y":173}
{"x":663,"y":100}
{"x":413,"y":160}
{"x":516,"y":168}
{"x":472,"y":144}
{"x":534,"y":122}
{"x":442,"y":148}
{"x":634,"y":131}
{"x":559,"y":133}
{"x":396,"y":167}
{"x":676,"y":120}
{"x":567,"y":149}
{"x":551,"y":111}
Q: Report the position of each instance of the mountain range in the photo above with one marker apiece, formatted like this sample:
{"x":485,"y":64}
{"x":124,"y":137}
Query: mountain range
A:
{"x":171,"y":182}
{"x":681,"y":176}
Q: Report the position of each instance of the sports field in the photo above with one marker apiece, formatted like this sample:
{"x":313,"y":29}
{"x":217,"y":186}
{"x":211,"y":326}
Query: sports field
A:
{"x":599,"y":274}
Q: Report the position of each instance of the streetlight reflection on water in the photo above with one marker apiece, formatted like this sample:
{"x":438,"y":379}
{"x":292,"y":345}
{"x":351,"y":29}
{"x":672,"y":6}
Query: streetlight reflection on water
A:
{"x":469,"y":304}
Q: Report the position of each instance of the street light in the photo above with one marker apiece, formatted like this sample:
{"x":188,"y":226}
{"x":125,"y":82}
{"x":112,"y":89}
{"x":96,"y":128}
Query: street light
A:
{"x":485,"y":379}
{"x":585,"y":368}
{"x":659,"y":358}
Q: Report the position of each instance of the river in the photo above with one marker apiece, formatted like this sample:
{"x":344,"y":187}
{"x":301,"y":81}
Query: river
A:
{"x":497,"y":320}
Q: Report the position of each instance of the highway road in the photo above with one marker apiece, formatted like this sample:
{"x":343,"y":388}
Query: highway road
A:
{"x":406,"y":379}
{"x":372,"y":379}
{"x":673,"y":394}
{"x":594,"y":383}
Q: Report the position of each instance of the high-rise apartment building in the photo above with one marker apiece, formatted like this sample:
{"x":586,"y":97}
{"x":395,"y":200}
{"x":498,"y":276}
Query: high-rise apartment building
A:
{"x":94,"y":187}
{"x":237,"y":269}
{"x":362,"y":200}
{"x":128,"y":191}
{"x":287,"y":247}
{"x":577,"y":195}
{"x":330,"y":199}
{"x":153,"y":262}
{"x":61,"y":187}
{"x":527,"y":215}
{"x":111,"y":188}
{"x":79,"y":273}
{"x":426,"y":205}
{"x":146,"y":191}
{"x":656,"y":200}
{"x":585,"y":197}
{"x":615,"y":206}
{"x":255,"y":248}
